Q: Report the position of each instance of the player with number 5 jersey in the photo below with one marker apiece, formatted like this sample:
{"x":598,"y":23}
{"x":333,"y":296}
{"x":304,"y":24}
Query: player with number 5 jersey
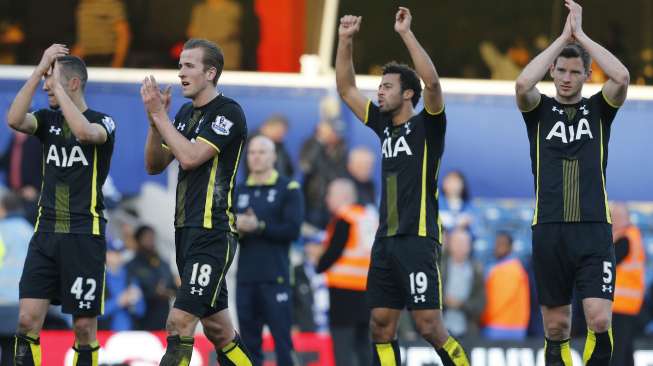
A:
{"x":572,"y":236}
{"x":65,"y":263}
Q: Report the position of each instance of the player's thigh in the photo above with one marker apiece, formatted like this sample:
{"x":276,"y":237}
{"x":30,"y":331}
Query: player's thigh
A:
{"x":40,"y":277}
{"x":384,"y":289}
{"x":416,"y":263}
{"x":552,"y":266}
{"x":594,"y":250}
{"x":82,"y":274}
{"x":207,"y":257}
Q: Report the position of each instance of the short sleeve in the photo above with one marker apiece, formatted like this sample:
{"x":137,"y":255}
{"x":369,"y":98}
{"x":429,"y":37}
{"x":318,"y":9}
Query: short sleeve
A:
{"x":108,"y":124}
{"x":42,"y":118}
{"x":228,"y":124}
{"x":532,"y":117}
{"x":607,"y":109}
{"x":374,"y":118}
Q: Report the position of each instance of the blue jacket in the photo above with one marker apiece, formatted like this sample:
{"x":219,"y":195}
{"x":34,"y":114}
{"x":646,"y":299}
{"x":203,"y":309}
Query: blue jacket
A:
{"x":279,"y":207}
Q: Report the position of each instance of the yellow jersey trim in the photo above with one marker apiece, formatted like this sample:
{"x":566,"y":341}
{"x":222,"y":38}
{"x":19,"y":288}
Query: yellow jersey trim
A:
{"x":208,"y":204}
{"x":165,"y":146}
{"x":607,"y":100}
{"x":367,"y":110}
{"x":272,"y":180}
{"x":232,"y":219}
{"x":96,"y":217}
{"x":436,"y":113}
{"x":422,"y":206}
{"x":209,"y":142}
{"x":532,"y":109}
{"x":537,"y":175}
{"x":605,"y":193}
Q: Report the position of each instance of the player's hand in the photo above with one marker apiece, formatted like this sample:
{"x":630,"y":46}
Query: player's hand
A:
{"x":166,"y":94}
{"x":403,"y":20}
{"x":49,"y":56}
{"x":151,"y":95}
{"x":52,"y":77}
{"x":567,"y":33}
{"x":349,"y":25}
{"x":576,"y":17}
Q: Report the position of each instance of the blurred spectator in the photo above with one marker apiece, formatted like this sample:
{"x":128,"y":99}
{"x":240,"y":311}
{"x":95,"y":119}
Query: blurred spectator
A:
{"x":269,"y":215}
{"x":123,"y":296}
{"x":159,"y":30}
{"x":507,"y":308}
{"x":44,"y":22}
{"x":11,"y":33}
{"x":322,"y":159}
{"x":360,"y":166}
{"x":645,"y":75}
{"x":21,"y":163}
{"x":518,"y":53}
{"x":103,"y":34}
{"x":346,"y":259}
{"x":15,"y":235}
{"x":629,"y":285}
{"x":275,"y":128}
{"x":502,"y":66}
{"x":464,"y":286}
{"x":456,"y":209}
{"x":155,"y":278}
{"x":219,"y":21}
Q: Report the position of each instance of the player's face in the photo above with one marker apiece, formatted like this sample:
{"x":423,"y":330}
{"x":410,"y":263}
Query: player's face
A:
{"x":389,"y":93}
{"x":260,"y":156}
{"x":569,"y":75}
{"x":194,"y":78}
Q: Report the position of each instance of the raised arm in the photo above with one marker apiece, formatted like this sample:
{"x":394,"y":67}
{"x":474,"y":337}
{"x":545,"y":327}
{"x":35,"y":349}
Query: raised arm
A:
{"x":433,"y":100}
{"x":190,"y":155}
{"x":616,"y":88}
{"x":527,"y":94}
{"x":345,"y":75}
{"x":84,"y":131}
{"x":18,"y":117}
{"x":157,"y":158}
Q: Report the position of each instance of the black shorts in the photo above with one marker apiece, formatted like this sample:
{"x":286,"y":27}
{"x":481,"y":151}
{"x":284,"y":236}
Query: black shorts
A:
{"x":67,"y":269}
{"x":203,"y":258}
{"x":573,"y":254}
{"x":405,"y":273}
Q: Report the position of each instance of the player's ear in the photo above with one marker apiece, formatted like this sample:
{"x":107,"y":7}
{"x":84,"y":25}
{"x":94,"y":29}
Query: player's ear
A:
{"x":408,"y":94}
{"x":551,"y":69}
{"x":210,"y":73}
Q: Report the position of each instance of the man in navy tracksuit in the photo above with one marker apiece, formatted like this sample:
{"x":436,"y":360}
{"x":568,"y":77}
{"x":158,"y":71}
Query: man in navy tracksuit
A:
{"x":270,"y":210}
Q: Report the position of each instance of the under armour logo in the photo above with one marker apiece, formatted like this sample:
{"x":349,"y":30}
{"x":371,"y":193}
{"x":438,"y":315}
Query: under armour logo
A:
{"x":85,"y":305}
{"x":606,"y":288}
{"x":386,"y":131}
{"x":181,"y":127}
{"x":198,"y":291}
{"x":560,"y":111}
{"x":282,"y":297}
{"x":55,"y":130}
{"x":419,"y":298}
{"x":407,"y":128}
{"x":584,"y":109}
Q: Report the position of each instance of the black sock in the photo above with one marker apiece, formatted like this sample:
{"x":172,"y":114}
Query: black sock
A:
{"x":386,"y":354}
{"x":234,"y":354}
{"x":178,"y":352}
{"x":452,"y":353}
{"x":27,"y":350}
{"x":86,"y":355}
{"x":598,"y":348}
{"x":557,"y":353}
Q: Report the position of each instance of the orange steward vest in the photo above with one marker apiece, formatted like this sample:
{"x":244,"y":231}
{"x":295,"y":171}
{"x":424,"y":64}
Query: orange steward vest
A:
{"x":507,"y":296}
{"x":629,"y":287}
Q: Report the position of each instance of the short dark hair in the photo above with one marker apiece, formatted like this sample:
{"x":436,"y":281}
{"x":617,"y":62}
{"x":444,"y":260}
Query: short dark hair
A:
{"x":212,"y":55}
{"x":574,"y":50}
{"x":12,"y":202}
{"x":408,"y":78}
{"x":73,"y":66}
{"x":276,"y":119}
{"x":141,"y":230}
{"x":506,"y":235}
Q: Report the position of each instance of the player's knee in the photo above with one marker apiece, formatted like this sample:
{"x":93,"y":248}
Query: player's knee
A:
{"x":599,"y":323}
{"x":84,"y":329}
{"x":431,"y":331}
{"x":28,"y":323}
{"x":557,"y":329}
{"x":178,"y":324}
{"x":381,"y":329}
{"x":217,"y":333}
